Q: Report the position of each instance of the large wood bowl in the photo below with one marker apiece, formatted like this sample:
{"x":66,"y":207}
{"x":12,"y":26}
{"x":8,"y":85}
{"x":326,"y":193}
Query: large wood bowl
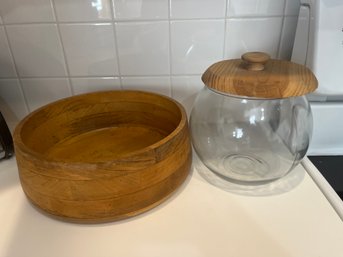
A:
{"x":103,"y":156}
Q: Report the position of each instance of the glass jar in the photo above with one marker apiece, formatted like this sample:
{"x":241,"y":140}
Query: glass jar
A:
{"x":250,"y":139}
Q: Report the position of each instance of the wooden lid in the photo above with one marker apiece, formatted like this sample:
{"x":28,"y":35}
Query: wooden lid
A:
{"x":256,"y":75}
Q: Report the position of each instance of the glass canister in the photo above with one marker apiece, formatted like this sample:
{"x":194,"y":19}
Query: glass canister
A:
{"x":252,"y":123}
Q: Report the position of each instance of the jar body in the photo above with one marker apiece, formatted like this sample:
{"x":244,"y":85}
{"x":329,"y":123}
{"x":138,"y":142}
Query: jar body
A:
{"x":250,"y":140}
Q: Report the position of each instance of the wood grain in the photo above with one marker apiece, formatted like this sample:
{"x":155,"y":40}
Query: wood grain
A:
{"x":276,"y":78}
{"x":103,"y":156}
{"x":255,"y":60}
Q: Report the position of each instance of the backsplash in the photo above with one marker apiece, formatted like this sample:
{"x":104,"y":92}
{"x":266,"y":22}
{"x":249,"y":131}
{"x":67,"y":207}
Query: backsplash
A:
{"x":50,"y":49}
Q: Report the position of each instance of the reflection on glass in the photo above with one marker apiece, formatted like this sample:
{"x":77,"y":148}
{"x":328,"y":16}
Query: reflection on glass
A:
{"x":237,"y":133}
{"x":250,"y":140}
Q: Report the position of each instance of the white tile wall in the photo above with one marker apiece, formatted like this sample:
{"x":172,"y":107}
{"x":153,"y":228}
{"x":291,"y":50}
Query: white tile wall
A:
{"x":190,"y":9}
{"x":159,"y":85}
{"x":37,"y":50}
{"x":240,"y":8}
{"x":89,"y":84}
{"x":245,"y":35}
{"x":12,"y":100}
{"x":196,"y":44}
{"x":83,"y":10}
{"x":21,"y":11}
{"x":90,"y":49}
{"x":7,"y":68}
{"x":143,"y":48}
{"x":51,"y":49}
{"x":39,"y":92}
{"x":185,"y":89}
{"x":140,"y":9}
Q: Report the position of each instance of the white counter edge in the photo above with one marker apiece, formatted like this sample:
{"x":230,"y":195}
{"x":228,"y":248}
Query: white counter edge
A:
{"x":330,"y":194}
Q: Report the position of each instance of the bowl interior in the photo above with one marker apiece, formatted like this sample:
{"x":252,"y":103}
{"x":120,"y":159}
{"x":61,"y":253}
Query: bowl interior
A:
{"x":99,"y":127}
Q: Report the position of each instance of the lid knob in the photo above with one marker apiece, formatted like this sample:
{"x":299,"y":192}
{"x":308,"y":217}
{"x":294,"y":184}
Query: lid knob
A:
{"x":255,"y":61}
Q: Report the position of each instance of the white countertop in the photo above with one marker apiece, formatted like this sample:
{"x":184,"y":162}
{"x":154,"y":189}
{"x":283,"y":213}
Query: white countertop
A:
{"x":198,"y":220}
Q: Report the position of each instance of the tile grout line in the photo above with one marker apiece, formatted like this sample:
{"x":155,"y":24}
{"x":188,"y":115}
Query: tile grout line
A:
{"x":170,"y":51}
{"x":106,"y":77}
{"x":114,"y":29}
{"x":71,"y":89}
{"x":144,"y":20}
{"x":26,"y":103}
{"x":225,"y":28}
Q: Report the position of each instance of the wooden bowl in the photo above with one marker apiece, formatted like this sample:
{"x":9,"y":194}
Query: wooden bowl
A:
{"x":103,"y":156}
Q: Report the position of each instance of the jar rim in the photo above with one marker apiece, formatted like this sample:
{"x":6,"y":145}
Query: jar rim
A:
{"x":248,"y":97}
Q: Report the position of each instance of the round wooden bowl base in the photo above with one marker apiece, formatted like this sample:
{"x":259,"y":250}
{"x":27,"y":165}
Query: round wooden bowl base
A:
{"x":114,"y":217}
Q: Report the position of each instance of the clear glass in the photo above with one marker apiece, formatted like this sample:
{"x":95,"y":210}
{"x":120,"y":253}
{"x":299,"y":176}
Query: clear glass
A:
{"x":250,"y":140}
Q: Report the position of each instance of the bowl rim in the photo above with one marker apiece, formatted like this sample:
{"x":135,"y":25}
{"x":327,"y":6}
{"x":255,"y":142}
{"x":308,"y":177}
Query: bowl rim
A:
{"x":153,"y":147}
